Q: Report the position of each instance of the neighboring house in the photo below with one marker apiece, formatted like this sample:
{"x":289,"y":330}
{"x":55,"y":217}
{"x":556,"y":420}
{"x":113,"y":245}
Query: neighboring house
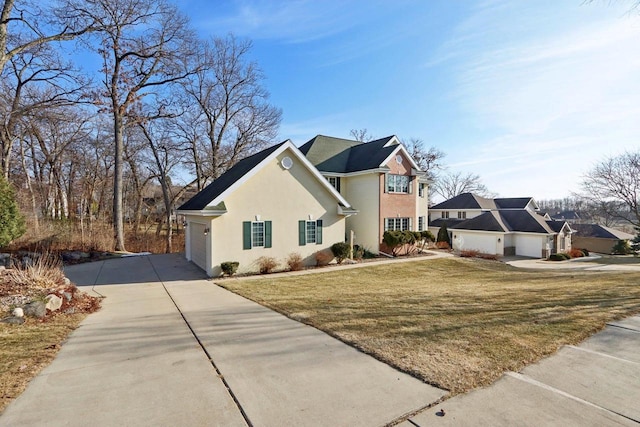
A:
{"x":597,"y":238}
{"x":379,"y":178}
{"x":570,"y":216}
{"x":270,"y":204}
{"x":501,"y":226}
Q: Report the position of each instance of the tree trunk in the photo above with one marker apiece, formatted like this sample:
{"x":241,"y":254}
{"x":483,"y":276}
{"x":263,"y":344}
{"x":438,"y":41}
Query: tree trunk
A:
{"x":118,"y":215}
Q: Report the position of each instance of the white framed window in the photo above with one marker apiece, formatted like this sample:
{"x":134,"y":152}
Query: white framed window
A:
{"x":444,"y":214}
{"x":398,"y":183}
{"x":397,"y":224}
{"x":311,"y":232}
{"x":462,"y":215}
{"x":257,"y":234}
{"x":334,"y":181}
{"x":421,"y":187}
{"x":420,"y":223}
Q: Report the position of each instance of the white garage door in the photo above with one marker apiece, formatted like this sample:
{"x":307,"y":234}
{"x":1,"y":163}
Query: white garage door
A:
{"x":530,"y":246}
{"x":485,"y":243}
{"x":198,"y":245}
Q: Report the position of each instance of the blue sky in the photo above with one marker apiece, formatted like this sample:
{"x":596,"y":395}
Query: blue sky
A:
{"x":527,"y":94}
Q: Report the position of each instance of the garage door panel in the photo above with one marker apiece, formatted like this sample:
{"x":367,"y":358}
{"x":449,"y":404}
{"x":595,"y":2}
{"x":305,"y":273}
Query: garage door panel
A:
{"x":472,"y":241}
{"x":530,"y":246}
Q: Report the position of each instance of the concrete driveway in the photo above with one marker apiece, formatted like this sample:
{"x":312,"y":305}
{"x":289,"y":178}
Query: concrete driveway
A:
{"x":170,"y":347}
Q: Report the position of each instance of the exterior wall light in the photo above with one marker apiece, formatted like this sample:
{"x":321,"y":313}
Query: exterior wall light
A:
{"x":206,"y":231}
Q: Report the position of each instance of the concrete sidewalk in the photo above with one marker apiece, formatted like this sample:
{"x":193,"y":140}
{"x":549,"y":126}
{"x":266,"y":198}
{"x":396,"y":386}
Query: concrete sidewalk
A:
{"x":594,"y":384}
{"x":138,"y":363}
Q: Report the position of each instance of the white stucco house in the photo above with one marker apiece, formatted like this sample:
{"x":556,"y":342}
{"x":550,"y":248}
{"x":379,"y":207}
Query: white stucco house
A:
{"x":501,"y":226}
{"x":286,"y":200}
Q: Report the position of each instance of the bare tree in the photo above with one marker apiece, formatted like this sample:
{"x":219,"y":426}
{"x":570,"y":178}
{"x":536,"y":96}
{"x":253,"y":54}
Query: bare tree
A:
{"x":24,"y":25}
{"x":429,"y":160}
{"x":361,"y":135}
{"x":452,"y":184}
{"x":143,"y":44}
{"x":614,"y":185}
{"x":233,"y":113}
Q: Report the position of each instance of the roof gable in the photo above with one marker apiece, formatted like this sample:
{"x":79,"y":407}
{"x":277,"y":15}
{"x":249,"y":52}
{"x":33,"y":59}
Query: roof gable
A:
{"x":514,"y":202}
{"x":488,"y":221}
{"x":215,"y":193}
{"x":338,"y":155}
{"x":466,"y":201}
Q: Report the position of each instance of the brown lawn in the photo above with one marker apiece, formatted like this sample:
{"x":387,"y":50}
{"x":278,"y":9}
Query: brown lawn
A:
{"x":455,"y":323}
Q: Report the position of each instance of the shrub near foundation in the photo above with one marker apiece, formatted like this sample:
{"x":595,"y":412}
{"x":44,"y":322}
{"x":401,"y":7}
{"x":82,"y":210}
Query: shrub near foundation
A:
{"x":266,"y":264}
{"x":229,"y":268}
{"x":294,"y":261}
{"x":340,"y":250}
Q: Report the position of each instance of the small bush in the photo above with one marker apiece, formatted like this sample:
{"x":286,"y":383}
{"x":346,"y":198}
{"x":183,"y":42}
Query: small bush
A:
{"x":229,"y":268}
{"x":44,"y":271}
{"x":585,"y":252}
{"x":560,"y":256}
{"x":575,"y":253}
{"x":323,"y":258}
{"x":340,"y":250}
{"x":492,"y":257}
{"x":622,"y":247}
{"x":443,"y":234}
{"x":392,"y":240}
{"x":428,"y":236}
{"x":294,"y":261}
{"x":469,"y":253}
{"x":266,"y":264}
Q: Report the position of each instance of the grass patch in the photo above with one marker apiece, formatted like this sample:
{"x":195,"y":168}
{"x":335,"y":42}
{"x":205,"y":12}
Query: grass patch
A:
{"x":455,"y":323}
{"x":617,"y":259}
{"x":26,"y":349}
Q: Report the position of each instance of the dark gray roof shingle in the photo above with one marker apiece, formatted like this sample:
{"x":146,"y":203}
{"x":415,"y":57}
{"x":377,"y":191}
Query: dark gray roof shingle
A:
{"x":599,"y":231}
{"x":466,"y":201}
{"x":512,"y":202}
{"x":338,"y":155}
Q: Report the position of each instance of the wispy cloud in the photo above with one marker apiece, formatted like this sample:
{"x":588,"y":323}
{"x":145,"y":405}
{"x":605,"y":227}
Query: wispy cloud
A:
{"x":555,"y":91}
{"x":293,"y":21}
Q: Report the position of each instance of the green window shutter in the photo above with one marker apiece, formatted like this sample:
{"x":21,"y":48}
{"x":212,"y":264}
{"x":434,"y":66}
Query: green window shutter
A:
{"x":302,"y":233}
{"x":267,"y":234}
{"x":246,"y":235}
{"x":319,"y":232}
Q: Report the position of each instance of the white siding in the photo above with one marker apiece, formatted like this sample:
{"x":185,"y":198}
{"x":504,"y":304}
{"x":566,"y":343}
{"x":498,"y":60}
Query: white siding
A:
{"x":363,"y":192}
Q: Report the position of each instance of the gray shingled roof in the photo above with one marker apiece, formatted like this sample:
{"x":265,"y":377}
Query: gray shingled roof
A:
{"x":487,"y":221}
{"x":505,"y":221}
{"x":217,"y":187}
{"x":600,"y":231}
{"x":466,"y":201}
{"x":512,"y":202}
{"x":338,"y":155}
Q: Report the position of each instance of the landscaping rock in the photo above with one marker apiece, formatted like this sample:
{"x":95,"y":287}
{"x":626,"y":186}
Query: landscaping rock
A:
{"x":35,"y":309}
{"x":17,"y":312}
{"x":67,"y":282}
{"x":67,"y":295}
{"x":13,"y":320}
{"x":5,"y":260}
{"x":54,"y":302}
